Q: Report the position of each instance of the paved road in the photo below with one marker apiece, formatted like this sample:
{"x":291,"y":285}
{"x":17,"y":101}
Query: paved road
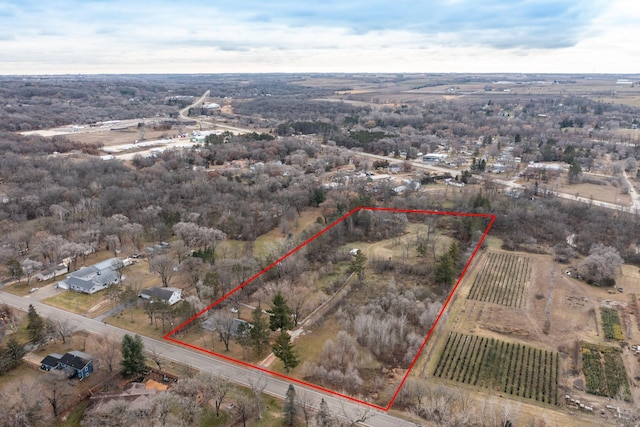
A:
{"x":417,"y":164}
{"x":238,"y":374}
{"x":635,"y":198}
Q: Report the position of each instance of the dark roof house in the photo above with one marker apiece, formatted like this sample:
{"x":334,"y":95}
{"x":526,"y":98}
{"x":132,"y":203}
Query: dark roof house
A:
{"x":50,"y":362}
{"x":75,"y":363}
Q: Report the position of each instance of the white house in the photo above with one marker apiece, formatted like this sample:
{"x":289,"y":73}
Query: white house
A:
{"x":168,"y":295}
{"x":97,"y":277}
{"x":434,"y":157}
{"x":52,"y":273}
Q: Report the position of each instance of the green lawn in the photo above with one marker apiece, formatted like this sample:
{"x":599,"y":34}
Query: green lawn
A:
{"x":75,"y":416}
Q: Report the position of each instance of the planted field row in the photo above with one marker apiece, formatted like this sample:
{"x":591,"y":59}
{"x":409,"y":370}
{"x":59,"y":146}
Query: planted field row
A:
{"x":611,"y":324}
{"x":506,"y":367}
{"x":604,"y":371}
{"x":502,"y":280}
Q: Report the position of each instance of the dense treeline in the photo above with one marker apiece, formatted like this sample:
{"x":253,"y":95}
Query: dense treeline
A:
{"x":34,"y":144}
{"x":295,"y":108}
{"x":39,"y":102}
{"x":535,"y":224}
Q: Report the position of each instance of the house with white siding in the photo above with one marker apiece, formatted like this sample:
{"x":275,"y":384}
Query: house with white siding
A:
{"x":89,"y":280}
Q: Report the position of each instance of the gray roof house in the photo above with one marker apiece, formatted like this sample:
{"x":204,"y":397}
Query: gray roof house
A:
{"x":97,"y":277}
{"x":52,"y":273}
{"x":168,"y":295}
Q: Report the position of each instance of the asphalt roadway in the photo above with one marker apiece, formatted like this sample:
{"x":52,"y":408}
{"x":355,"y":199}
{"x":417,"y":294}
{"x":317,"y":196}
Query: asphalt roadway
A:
{"x":236,"y":373}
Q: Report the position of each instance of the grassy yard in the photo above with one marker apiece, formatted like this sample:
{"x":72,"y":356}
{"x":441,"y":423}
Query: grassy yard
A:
{"x":78,"y":303}
{"x":140,"y":324}
{"x":21,"y":288}
{"x":309,"y":346}
{"x":21,"y":374}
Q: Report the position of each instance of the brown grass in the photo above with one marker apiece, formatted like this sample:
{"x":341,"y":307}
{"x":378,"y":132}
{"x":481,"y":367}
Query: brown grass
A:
{"x":78,"y":303}
{"x":603,"y":193}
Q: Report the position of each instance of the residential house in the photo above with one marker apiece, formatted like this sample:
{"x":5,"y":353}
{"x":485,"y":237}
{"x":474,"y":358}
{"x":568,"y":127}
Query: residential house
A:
{"x":74,"y":363}
{"x":168,"y":295}
{"x":97,"y":277}
{"x":50,"y":362}
{"x":52,"y":273}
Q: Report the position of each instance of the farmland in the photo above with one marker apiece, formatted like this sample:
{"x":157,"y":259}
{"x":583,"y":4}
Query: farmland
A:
{"x":516,"y":369}
{"x":604,"y":371}
{"x":502,"y":280}
{"x":506,"y":350}
{"x":611,"y":324}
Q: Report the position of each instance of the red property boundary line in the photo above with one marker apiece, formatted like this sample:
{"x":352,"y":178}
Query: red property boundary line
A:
{"x":492,"y":219}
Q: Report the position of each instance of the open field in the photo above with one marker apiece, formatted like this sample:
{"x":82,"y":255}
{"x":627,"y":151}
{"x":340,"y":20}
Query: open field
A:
{"x":605,"y":192}
{"x":432,"y":88}
{"x":556,"y":312}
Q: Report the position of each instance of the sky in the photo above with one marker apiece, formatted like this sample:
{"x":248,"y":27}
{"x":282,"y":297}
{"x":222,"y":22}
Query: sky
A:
{"x":375,"y":36}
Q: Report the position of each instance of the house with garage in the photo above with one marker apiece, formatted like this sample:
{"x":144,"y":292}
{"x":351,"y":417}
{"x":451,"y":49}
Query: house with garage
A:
{"x":74,"y":363}
{"x":168,"y":295}
{"x":89,"y":280}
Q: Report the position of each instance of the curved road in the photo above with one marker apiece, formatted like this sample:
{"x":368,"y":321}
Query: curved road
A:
{"x":200,"y":361}
{"x":184,"y":112}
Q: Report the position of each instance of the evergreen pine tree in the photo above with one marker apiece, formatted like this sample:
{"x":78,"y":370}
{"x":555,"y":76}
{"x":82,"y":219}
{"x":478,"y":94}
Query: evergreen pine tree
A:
{"x":358,"y":265}
{"x":289,"y":409}
{"x":323,"y":416}
{"x":133,"y":360}
{"x":280,"y":314}
{"x":283,"y":350}
{"x":259,"y":334}
{"x":35,"y":325}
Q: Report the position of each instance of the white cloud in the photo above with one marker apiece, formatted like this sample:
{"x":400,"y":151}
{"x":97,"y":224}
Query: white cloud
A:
{"x":167,"y":37}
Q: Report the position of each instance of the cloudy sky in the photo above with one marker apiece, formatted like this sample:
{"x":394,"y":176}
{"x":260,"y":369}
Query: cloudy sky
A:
{"x":219,"y":36}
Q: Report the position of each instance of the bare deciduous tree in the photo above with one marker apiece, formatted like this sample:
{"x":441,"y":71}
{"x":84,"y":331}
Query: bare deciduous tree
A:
{"x":257,"y":387}
{"x":113,"y":244}
{"x":58,"y":392}
{"x":64,"y":329}
{"x":109,"y":354}
{"x":245,"y":408}
{"x":224,"y":322}
{"x":601,"y":266}
{"x":164,"y":266}
{"x":305,"y":402}
{"x":29,"y":268}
